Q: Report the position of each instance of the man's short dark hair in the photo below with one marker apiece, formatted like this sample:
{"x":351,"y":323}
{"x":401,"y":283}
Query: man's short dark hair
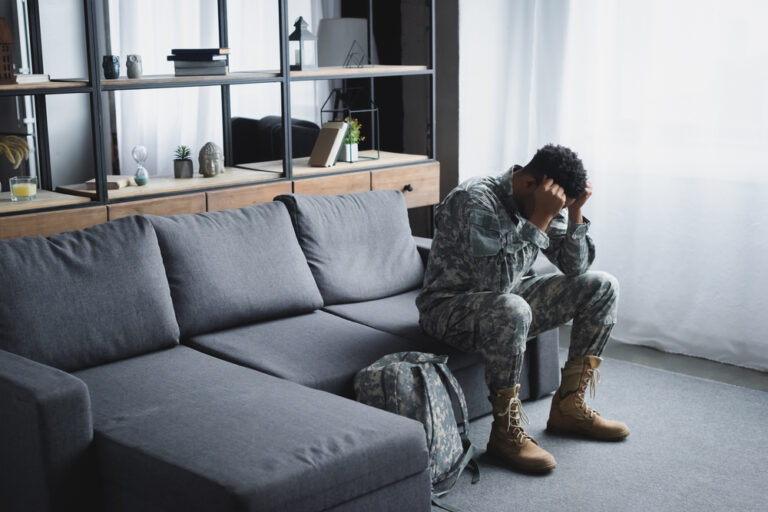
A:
{"x":562,"y":165}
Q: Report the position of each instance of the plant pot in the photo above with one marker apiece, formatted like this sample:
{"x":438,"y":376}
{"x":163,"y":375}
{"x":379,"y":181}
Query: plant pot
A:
{"x":182,"y":169}
{"x":349,"y":153}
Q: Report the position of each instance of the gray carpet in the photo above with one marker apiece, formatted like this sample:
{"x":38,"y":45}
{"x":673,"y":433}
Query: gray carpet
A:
{"x":696,"y":445}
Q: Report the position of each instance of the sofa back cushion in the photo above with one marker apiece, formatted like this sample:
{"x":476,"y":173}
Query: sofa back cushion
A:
{"x":234,"y":267}
{"x":88,"y":297}
{"x":359,"y":246}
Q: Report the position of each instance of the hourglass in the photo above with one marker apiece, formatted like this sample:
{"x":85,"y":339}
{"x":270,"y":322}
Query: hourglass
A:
{"x":139,"y":153}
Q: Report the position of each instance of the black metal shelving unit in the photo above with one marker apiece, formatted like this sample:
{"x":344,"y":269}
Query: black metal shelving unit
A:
{"x":95,"y":87}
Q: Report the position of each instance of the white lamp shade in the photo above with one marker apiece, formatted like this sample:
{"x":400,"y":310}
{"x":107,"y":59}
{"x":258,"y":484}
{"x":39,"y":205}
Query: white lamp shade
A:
{"x":335,"y":37}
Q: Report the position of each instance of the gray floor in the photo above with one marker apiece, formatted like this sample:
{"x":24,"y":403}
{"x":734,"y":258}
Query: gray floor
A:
{"x":696,"y":445}
{"x":694,"y":366}
{"x":670,"y":465}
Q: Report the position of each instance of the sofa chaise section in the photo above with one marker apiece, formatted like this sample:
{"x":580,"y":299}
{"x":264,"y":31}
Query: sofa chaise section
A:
{"x":45,"y":435}
{"x":180,"y":430}
{"x":69,"y":302}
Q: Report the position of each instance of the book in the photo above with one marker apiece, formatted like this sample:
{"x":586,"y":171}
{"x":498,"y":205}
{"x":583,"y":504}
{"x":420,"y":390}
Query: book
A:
{"x":200,"y":51}
{"x":114,"y":182}
{"x":32,"y":78}
{"x":327,"y":145}
{"x":201,"y":57}
{"x":223,"y":70}
{"x":197,"y":64}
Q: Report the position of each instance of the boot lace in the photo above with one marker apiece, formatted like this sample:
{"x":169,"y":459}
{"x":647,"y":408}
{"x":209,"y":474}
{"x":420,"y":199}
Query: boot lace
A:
{"x":515,"y":416}
{"x":592,"y":378}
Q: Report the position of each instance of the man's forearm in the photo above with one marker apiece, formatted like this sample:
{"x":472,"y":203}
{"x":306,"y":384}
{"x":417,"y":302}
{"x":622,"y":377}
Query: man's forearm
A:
{"x":575,"y":216}
{"x":540,"y":221}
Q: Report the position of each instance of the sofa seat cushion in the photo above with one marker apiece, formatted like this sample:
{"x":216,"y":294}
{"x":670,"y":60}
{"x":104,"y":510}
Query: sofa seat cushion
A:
{"x":359,"y":246}
{"x":319,"y":350}
{"x":88,"y":297}
{"x":192,"y":432}
{"x":399,"y":315}
{"x":234,"y":267}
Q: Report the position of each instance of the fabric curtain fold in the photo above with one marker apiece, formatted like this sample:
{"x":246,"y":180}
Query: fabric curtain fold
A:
{"x":665,"y":102}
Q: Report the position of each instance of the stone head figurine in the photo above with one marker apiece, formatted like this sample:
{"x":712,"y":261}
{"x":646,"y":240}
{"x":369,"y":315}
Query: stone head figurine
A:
{"x":211,"y":160}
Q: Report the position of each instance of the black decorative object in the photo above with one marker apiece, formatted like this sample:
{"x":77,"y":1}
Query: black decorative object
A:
{"x":302,"y":47}
{"x":111,"y":65}
{"x":356,"y":56}
{"x":354,"y":103}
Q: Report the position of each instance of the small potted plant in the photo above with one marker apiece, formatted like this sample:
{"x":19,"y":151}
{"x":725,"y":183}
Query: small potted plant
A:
{"x":351,"y":139}
{"x":182,"y":164}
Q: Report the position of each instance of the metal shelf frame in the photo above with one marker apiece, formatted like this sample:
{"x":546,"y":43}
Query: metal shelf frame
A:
{"x":94,"y":86}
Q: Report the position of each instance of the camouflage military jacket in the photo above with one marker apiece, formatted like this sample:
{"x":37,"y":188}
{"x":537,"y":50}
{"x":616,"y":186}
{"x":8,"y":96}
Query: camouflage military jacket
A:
{"x":483,"y":244}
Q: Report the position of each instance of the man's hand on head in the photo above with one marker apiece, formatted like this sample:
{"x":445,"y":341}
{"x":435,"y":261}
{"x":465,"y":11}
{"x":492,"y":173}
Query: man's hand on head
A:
{"x":574,"y":209}
{"x":548,"y":199}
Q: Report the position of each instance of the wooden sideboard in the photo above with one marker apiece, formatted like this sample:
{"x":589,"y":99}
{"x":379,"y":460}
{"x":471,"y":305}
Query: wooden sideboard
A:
{"x":420,"y":183}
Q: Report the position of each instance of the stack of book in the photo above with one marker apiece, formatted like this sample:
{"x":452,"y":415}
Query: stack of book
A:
{"x":200,"y":61}
{"x":29,"y":78}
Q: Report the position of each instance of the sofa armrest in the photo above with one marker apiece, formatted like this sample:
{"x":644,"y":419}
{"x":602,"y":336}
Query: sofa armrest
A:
{"x":45,"y":432}
{"x":423,"y":245}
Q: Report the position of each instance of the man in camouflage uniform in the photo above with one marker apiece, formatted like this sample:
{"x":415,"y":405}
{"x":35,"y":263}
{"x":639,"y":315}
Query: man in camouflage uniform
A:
{"x":478,"y":298}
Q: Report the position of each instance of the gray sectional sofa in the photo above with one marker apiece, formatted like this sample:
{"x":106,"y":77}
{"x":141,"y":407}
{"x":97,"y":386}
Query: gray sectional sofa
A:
{"x":205,"y":362}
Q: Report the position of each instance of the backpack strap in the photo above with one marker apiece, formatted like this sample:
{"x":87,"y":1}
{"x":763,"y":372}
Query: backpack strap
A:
{"x":453,"y":387}
{"x":467,"y":461}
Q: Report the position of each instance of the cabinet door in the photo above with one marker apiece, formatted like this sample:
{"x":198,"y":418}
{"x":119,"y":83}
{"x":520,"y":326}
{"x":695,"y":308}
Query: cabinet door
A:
{"x":48,"y":223}
{"x":419,"y":183}
{"x":188,"y":203}
{"x":336,"y":184}
{"x":241,"y":197}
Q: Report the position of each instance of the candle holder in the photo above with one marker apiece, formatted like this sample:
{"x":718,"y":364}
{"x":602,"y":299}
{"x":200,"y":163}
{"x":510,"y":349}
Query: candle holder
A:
{"x":23,"y":188}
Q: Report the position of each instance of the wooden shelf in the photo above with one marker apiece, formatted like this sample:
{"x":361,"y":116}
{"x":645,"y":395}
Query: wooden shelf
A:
{"x":331,"y":72}
{"x":48,"y":87}
{"x":44,"y":199}
{"x":166,"y":185}
{"x":301,"y":166}
{"x":157,"y":81}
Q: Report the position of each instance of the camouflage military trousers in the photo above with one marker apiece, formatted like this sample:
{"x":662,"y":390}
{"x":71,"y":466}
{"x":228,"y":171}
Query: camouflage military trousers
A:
{"x":498,"y":325}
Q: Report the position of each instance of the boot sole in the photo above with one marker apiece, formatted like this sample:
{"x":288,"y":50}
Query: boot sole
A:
{"x":564,"y":430}
{"x":490,"y":450}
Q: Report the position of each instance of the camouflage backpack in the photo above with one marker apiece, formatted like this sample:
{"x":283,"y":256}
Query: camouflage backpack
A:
{"x":419,"y":386}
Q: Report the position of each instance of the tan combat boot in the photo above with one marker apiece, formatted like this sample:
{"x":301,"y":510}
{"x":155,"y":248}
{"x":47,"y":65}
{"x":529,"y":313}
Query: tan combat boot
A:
{"x":569,"y":412}
{"x":508,"y":439}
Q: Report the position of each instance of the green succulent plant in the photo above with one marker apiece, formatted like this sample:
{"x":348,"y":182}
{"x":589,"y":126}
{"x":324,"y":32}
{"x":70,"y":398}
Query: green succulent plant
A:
{"x":182,"y":153}
{"x":353,"y":132}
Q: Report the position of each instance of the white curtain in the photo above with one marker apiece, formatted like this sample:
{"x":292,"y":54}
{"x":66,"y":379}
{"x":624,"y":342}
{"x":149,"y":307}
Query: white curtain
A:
{"x":666,"y":104}
{"x":161,"y":119}
{"x":259,"y":49}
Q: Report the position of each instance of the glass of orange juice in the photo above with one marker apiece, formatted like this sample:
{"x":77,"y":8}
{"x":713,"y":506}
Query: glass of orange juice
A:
{"x":23,"y":188}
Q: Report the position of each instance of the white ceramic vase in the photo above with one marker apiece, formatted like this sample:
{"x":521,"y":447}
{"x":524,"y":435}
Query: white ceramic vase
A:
{"x":349,"y":153}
